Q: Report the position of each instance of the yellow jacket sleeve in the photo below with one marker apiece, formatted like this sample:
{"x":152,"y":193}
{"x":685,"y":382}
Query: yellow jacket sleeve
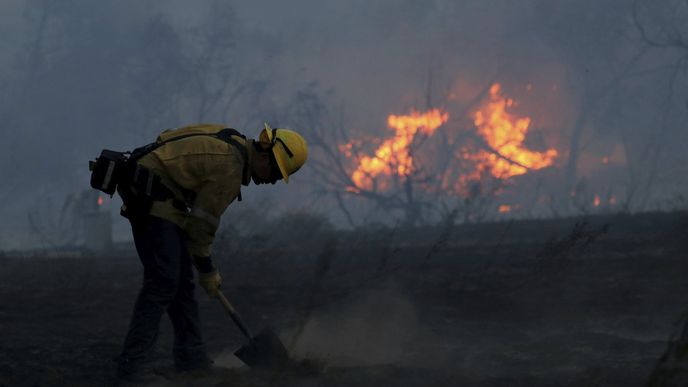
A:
{"x":218,"y":180}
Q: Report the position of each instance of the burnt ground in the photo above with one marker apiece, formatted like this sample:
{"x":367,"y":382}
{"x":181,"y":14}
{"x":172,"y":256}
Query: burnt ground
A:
{"x":576,"y":302}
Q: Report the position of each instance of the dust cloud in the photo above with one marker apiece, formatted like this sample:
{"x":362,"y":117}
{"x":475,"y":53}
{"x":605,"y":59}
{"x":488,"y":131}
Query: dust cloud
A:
{"x":372,"y":327}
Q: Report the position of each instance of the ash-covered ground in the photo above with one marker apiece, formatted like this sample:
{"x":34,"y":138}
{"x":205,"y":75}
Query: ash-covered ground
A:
{"x":578,"y":302}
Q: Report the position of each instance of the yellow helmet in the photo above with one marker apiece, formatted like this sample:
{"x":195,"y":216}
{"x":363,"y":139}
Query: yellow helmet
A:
{"x":289,"y":148}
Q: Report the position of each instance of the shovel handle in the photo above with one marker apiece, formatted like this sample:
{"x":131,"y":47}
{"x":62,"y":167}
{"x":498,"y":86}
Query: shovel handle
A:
{"x":234,"y":314}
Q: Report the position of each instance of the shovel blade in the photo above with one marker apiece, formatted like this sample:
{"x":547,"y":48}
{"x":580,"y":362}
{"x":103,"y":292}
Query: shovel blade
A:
{"x":264,"y":351}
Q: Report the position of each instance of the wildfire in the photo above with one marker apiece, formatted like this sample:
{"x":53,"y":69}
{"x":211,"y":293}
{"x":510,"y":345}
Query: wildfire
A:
{"x":393,"y":155}
{"x":100,"y":200}
{"x":498,"y":151}
{"x":504,"y":135}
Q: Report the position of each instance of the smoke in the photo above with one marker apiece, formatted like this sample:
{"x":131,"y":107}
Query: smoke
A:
{"x":77,"y":78}
{"x":374,"y":327}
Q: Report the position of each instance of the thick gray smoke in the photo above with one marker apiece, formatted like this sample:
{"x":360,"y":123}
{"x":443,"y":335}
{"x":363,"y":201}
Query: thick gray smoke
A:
{"x":600,"y":80}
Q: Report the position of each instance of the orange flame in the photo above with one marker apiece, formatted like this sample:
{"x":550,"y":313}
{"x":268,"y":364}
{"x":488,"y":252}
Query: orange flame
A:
{"x":499,"y":151}
{"x":504,"y":208}
{"x":596,"y":202}
{"x":392,"y":157}
{"x":100,"y":200}
{"x":504,"y":135}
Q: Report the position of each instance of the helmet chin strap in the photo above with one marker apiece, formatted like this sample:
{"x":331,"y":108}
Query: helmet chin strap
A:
{"x":275,"y":139}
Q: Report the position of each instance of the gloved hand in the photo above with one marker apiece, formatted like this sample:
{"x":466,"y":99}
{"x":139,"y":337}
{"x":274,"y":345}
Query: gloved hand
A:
{"x":210,"y":281}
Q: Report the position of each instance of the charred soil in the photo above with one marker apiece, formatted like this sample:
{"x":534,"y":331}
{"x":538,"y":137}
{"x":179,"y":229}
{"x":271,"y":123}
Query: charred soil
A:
{"x":575,"y":302}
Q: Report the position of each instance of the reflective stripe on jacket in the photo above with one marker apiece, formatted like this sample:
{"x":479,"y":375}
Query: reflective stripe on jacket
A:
{"x":202,"y":171}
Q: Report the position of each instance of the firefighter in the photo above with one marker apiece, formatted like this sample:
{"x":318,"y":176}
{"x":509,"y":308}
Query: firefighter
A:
{"x":176,"y":193}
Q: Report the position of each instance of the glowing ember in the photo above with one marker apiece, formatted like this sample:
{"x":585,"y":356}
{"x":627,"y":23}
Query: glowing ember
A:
{"x":504,"y":135}
{"x":100,"y":200}
{"x":392,"y":156}
{"x":504,"y":208}
{"x":596,"y":201}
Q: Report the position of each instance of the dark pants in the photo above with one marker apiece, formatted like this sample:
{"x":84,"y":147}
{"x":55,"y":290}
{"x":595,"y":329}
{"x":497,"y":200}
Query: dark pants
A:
{"x":167,"y":287}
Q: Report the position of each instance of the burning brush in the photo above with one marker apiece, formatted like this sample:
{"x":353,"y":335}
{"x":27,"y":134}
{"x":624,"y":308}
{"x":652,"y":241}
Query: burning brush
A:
{"x":497,"y":150}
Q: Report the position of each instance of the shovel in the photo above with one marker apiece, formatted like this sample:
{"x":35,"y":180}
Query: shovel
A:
{"x":265,"y":350}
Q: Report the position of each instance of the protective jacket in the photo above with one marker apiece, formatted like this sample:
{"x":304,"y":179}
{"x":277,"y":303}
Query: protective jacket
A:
{"x":204,"y":173}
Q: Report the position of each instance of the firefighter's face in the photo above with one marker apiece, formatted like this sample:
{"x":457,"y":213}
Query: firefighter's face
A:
{"x":265,"y":169}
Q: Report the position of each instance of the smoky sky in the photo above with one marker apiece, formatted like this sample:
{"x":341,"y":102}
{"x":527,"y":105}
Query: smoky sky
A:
{"x":79,"y":76}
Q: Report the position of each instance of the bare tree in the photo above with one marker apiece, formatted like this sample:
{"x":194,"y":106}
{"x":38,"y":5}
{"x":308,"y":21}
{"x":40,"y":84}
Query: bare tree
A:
{"x":600,"y":57}
{"x":663,"y":32}
{"x":220,"y":83}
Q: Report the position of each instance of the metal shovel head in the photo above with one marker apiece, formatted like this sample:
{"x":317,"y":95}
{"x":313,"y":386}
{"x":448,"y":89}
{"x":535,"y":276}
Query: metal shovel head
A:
{"x":264,"y":351}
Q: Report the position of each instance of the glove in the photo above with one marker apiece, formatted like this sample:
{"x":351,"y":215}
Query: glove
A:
{"x":210,"y":281}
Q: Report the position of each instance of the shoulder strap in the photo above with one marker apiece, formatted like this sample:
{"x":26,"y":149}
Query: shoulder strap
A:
{"x":226,"y":135}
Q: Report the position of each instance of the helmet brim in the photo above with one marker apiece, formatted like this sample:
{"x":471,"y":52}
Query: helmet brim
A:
{"x":278,"y":151}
